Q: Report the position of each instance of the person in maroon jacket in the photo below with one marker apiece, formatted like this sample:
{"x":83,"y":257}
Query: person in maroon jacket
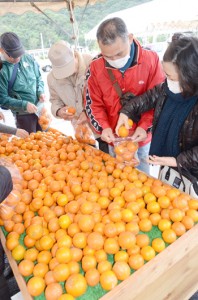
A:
{"x":135,"y":69}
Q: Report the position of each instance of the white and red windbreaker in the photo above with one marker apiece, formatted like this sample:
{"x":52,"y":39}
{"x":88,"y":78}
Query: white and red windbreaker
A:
{"x":101,"y":100}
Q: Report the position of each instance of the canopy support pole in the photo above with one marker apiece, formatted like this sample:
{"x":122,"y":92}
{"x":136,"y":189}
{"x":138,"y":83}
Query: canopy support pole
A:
{"x":74,"y":24}
{"x":42,"y":12}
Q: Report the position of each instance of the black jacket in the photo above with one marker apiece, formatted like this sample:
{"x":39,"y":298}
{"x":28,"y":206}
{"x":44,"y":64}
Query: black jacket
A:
{"x":188,"y":137}
{"x":6,"y":184}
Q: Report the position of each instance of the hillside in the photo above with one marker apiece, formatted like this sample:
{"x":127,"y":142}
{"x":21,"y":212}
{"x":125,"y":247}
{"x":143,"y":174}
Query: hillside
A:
{"x":29,"y":26}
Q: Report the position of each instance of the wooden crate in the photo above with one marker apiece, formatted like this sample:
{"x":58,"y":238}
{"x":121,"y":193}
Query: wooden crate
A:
{"x":171,"y":275}
{"x":19,"y":279}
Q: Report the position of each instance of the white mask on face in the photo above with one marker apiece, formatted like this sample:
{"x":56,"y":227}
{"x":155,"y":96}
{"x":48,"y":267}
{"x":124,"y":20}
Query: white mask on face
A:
{"x":2,"y":57}
{"x":174,"y":86}
{"x":118,"y":63}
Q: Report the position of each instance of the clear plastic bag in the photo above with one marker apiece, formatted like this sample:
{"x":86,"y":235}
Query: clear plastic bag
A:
{"x":83,"y":133}
{"x":44,"y":116}
{"x":8,"y":204}
{"x":126,"y":151}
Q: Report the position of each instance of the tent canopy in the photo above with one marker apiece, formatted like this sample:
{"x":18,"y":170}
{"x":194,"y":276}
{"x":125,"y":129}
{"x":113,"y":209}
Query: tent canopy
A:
{"x":39,"y":6}
{"x":22,"y":6}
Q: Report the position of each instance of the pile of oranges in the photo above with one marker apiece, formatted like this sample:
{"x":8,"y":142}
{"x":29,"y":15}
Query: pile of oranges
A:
{"x":78,"y":205}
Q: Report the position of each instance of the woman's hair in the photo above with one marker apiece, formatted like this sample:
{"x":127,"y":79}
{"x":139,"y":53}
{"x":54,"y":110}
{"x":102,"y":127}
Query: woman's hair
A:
{"x":110,"y":30}
{"x":183,"y":53}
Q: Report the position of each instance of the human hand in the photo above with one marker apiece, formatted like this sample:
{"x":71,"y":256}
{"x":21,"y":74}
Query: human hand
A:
{"x":162,"y":161}
{"x":134,"y":162}
{"x":64,"y":114}
{"x":22,"y":133}
{"x":123,"y":120}
{"x":2,"y":117}
{"x":31,"y":108}
{"x":139,"y":135}
{"x":107,"y":135}
{"x":82,"y":118}
{"x":42,"y":98}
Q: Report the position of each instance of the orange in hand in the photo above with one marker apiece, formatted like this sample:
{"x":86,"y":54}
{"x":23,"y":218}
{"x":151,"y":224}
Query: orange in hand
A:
{"x":71,"y":110}
{"x":130,"y":122}
{"x":123,"y":131}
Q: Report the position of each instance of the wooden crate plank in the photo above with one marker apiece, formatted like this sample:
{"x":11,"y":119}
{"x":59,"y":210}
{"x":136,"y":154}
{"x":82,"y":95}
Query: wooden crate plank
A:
{"x":19,"y":279}
{"x":170,"y":275}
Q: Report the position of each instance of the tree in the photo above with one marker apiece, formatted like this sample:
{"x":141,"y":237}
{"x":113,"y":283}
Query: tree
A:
{"x":29,"y":26}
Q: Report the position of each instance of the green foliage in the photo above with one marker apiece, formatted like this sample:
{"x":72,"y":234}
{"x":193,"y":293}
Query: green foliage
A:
{"x":162,"y":37}
{"x":30,"y":26}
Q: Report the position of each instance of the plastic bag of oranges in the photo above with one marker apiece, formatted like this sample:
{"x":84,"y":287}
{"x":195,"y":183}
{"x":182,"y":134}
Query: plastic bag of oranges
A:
{"x":44,"y":116}
{"x":13,"y":188}
{"x":83,"y":133}
{"x":126,"y":151}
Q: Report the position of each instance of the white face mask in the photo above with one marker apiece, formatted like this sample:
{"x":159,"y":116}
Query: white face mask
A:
{"x":2,"y":57}
{"x":174,"y":86}
{"x":118,"y":63}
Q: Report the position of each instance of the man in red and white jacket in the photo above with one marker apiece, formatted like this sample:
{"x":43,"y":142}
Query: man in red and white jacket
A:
{"x":135,"y":69}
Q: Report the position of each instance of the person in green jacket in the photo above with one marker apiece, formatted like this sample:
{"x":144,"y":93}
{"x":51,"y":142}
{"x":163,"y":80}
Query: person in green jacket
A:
{"x":27,"y":87}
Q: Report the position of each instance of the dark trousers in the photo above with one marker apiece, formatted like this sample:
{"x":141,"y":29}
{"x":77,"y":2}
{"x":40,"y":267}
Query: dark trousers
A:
{"x":4,"y":291}
{"x":103,"y":146}
{"x":28,"y":122}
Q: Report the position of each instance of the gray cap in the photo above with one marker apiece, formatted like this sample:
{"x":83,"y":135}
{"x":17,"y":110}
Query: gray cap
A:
{"x":11,"y":44}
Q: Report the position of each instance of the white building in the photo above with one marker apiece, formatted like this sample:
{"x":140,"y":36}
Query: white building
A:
{"x":157,"y":17}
